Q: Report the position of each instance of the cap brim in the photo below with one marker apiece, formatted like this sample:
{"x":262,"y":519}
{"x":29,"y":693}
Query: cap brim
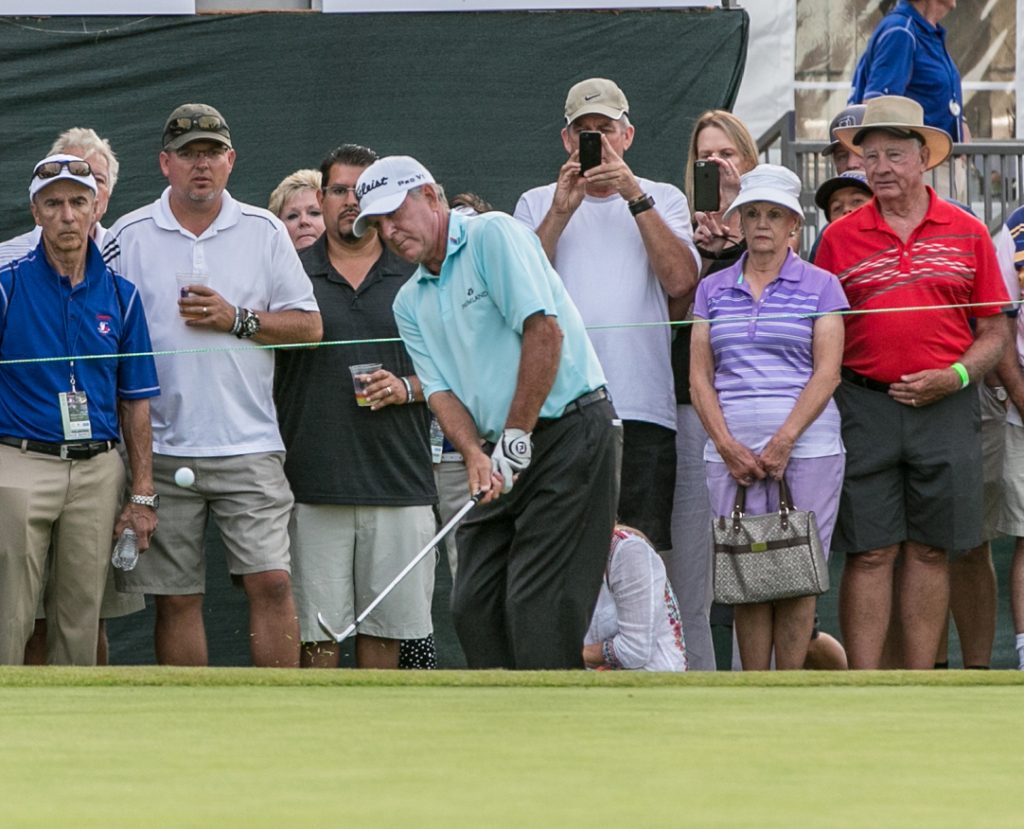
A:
{"x":596,"y":109}
{"x":938,"y":142}
{"x":188,"y":137}
{"x":824,"y":193}
{"x":380,"y":207}
{"x":768,"y":195}
{"x":39,"y":184}
{"x":831,"y":148}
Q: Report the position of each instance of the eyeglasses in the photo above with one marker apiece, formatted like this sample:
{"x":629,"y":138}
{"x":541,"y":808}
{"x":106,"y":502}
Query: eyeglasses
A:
{"x":51,"y":169}
{"x":339,"y":191}
{"x":207,"y":123}
{"x":187,"y":153}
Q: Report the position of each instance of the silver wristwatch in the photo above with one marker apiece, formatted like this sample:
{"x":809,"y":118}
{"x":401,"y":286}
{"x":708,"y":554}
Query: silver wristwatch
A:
{"x":151,"y":501}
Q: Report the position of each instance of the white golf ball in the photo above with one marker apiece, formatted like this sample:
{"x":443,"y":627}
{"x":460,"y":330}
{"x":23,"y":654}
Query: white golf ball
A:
{"x":184,"y":477}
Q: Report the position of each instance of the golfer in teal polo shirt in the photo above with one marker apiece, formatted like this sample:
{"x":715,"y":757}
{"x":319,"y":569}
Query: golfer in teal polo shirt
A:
{"x":508,"y":369}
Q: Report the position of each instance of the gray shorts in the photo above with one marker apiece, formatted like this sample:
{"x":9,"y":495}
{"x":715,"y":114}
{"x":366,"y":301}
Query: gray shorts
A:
{"x":993,"y":452}
{"x":344,"y":556}
{"x":247,"y":495}
{"x":911,"y":474}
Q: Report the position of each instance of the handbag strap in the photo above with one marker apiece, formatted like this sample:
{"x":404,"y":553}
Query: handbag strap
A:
{"x":739,"y":505}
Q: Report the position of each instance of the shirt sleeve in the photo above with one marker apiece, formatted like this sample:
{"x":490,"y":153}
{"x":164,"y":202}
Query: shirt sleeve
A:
{"x":674,"y":209}
{"x":1005,"y":256}
{"x":638,"y":598}
{"x":290,"y":286}
{"x":988,"y":285}
{"x":514,"y":267}
{"x":136,"y":376}
{"x":524,"y":212}
{"x":832,"y":296}
{"x":892,"y":63}
{"x":412,"y":336}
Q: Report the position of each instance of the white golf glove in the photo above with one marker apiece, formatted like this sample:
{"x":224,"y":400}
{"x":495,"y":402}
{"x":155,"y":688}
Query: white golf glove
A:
{"x":512,"y":455}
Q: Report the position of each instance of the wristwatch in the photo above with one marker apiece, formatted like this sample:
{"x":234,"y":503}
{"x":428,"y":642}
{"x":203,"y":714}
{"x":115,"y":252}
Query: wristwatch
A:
{"x":151,"y":501}
{"x":250,"y":325}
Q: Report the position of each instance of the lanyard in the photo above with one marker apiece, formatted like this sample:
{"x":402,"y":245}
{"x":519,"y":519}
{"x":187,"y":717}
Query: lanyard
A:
{"x":69,"y":343}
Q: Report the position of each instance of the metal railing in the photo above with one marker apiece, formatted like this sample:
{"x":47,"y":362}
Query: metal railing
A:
{"x":995,"y":173}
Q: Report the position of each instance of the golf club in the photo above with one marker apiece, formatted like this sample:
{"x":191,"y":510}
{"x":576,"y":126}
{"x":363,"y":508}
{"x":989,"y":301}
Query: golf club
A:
{"x":447,"y":528}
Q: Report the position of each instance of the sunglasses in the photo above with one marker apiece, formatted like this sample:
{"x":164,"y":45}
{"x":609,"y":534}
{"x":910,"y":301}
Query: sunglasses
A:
{"x":206,"y":123}
{"x":51,"y":169}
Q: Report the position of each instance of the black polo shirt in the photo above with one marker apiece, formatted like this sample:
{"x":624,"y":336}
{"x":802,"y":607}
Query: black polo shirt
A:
{"x":337,"y":451}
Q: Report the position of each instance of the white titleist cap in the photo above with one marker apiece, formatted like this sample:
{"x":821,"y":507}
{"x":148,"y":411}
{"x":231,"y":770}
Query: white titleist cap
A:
{"x":382,"y":187}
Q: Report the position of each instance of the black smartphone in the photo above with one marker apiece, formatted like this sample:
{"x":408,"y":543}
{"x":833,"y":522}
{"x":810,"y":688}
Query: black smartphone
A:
{"x":590,"y":150}
{"x":705,"y":186}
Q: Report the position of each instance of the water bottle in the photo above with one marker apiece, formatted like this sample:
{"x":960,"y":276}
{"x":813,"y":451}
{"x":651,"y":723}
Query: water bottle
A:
{"x":126,"y":551}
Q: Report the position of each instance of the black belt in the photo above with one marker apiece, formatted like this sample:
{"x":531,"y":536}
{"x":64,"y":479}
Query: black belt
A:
{"x":80,"y":451}
{"x":852,"y":376}
{"x":585,"y":400}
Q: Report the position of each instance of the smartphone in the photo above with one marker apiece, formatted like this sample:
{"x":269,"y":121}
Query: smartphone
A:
{"x":590,"y":150}
{"x":705,"y":186}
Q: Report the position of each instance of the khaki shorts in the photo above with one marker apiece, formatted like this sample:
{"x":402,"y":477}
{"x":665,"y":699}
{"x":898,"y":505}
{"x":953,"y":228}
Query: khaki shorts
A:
{"x":1011,"y":516}
{"x":344,"y":556}
{"x":249,"y":498}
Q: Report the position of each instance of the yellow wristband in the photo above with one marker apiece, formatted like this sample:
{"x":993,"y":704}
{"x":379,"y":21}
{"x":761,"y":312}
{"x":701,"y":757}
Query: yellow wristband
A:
{"x":965,"y":378}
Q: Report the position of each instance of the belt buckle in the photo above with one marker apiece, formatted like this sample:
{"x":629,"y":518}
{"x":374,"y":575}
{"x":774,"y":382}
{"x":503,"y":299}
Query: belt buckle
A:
{"x":64,"y":452}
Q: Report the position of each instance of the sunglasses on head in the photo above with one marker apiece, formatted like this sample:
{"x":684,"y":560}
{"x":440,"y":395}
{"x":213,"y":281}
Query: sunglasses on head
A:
{"x":207,"y":123}
{"x":51,"y":169}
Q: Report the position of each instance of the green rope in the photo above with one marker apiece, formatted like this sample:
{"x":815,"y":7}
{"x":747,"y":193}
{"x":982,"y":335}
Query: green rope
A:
{"x":678,"y":323}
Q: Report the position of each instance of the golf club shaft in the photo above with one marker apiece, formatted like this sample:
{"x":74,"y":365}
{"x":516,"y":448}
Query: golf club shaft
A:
{"x":447,"y":528}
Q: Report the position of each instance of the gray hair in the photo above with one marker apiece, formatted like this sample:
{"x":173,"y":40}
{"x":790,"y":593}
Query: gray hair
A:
{"x":90,"y":143}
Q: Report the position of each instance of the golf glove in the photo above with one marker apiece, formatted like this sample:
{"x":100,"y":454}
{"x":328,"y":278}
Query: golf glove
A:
{"x":512,"y":455}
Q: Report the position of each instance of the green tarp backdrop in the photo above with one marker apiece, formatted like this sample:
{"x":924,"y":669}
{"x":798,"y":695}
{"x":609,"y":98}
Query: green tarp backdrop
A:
{"x":477,"y":97}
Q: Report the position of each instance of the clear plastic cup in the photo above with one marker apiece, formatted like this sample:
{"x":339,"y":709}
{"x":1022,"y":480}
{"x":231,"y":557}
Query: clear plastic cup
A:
{"x":359,"y":371}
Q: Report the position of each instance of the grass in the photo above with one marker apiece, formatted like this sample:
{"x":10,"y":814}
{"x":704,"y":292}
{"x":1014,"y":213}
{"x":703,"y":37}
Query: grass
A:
{"x":245,"y":747}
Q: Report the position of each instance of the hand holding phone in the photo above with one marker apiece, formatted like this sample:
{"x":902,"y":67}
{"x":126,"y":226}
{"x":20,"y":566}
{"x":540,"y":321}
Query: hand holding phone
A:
{"x":590,"y":151}
{"x":705,"y":186}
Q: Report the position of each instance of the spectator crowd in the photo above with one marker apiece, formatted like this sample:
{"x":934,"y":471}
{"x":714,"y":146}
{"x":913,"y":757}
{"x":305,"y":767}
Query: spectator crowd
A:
{"x":598,"y":372}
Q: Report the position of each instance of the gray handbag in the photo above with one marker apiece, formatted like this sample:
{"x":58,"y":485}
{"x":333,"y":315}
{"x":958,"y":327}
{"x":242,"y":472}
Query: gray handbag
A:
{"x":764,"y":558}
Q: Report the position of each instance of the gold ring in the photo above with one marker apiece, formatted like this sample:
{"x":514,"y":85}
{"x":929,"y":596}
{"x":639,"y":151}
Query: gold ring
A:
{"x":387,"y":391}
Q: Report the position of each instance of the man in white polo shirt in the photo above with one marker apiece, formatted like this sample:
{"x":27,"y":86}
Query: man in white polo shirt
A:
{"x":238,"y":276}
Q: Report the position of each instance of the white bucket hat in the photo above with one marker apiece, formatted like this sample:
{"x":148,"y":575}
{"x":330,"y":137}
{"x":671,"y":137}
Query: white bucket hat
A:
{"x":770,"y":183}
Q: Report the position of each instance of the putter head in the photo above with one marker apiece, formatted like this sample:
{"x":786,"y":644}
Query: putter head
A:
{"x":338,"y":638}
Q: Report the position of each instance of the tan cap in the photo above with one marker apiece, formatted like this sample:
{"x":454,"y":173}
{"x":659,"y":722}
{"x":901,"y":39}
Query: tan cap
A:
{"x":902,"y":117}
{"x":195,"y":122}
{"x":595,"y":96}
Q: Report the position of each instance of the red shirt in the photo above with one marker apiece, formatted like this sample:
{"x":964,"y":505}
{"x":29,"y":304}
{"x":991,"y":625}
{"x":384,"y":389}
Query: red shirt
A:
{"x":948,"y":260}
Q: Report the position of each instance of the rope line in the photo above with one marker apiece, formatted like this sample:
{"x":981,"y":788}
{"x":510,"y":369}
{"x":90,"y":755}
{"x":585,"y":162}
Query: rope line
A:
{"x":610,"y":326}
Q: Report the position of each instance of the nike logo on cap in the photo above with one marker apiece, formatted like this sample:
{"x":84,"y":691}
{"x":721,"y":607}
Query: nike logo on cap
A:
{"x":591,"y":97}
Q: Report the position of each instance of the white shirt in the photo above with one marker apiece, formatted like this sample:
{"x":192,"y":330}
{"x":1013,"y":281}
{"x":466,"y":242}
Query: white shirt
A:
{"x":603,"y":262}
{"x":215,"y":402}
{"x":1005,"y":251}
{"x":636,"y":610}
{"x":18,"y":246}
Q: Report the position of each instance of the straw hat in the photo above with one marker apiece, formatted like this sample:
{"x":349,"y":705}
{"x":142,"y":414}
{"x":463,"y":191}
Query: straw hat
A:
{"x":902,"y":117}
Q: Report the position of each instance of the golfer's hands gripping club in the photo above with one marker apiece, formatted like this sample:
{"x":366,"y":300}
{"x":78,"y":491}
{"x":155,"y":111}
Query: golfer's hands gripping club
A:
{"x":511,"y":456}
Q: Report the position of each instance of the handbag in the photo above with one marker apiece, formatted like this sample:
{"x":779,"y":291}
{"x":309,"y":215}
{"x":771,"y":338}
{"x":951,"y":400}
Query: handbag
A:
{"x":764,"y":558}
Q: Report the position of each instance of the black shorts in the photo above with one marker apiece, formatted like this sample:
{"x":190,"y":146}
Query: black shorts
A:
{"x":648,"y":480}
{"x":911,"y":474}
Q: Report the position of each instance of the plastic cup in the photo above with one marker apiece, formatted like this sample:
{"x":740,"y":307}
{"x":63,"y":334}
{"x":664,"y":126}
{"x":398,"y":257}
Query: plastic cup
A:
{"x":186,"y":279}
{"x":360,"y":386}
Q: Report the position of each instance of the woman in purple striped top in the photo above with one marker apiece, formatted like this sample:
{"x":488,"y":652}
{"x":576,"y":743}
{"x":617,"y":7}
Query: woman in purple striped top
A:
{"x":761,"y":377}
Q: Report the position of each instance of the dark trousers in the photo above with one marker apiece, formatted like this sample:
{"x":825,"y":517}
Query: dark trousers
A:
{"x":531,"y":563}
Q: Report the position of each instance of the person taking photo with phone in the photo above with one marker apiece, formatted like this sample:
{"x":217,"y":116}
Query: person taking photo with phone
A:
{"x":622,"y":245}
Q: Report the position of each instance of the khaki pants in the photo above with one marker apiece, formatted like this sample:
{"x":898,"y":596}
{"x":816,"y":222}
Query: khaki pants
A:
{"x":70,"y":506}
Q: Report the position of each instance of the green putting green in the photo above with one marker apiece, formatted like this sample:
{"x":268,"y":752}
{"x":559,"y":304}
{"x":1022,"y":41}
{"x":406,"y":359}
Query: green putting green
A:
{"x":245,"y":747}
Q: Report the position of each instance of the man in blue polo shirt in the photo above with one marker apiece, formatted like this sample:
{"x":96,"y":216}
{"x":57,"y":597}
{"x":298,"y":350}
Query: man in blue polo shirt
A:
{"x":505,"y":362}
{"x":907,"y":55}
{"x":60,"y":483}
